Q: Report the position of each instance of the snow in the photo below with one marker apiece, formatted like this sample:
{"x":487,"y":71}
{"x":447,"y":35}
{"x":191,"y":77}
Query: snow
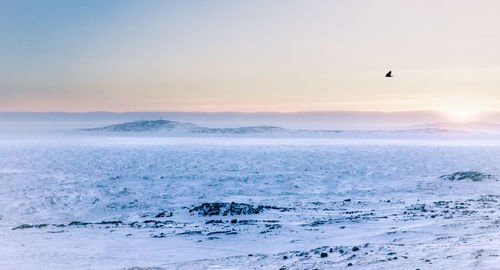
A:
{"x":90,"y":200}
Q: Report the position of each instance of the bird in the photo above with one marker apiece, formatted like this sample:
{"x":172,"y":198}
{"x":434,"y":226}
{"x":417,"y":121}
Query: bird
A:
{"x":389,"y":74}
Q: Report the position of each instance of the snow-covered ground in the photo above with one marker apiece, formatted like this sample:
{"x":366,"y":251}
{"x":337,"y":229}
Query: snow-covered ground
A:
{"x":118,"y":201}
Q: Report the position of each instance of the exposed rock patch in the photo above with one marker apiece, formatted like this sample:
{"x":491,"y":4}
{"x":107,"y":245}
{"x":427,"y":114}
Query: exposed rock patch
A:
{"x":467,"y":175}
{"x":224,"y":209}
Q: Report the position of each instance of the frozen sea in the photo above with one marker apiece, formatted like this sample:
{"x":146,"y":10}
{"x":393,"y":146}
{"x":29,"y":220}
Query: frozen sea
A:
{"x":71,"y":200}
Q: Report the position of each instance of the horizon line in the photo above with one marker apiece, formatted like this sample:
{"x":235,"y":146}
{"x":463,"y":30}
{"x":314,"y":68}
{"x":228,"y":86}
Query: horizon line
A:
{"x":254,"y":112}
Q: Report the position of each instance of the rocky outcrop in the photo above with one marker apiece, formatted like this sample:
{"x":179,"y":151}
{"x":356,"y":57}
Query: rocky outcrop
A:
{"x":224,"y":209}
{"x":467,"y":175}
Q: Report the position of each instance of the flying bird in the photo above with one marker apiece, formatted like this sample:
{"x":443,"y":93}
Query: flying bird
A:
{"x":389,"y":74}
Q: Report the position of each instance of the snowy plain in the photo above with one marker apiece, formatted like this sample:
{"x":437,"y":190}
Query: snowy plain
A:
{"x":90,"y":200}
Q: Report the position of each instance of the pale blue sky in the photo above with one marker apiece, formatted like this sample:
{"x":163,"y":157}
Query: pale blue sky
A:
{"x":249,"y":55}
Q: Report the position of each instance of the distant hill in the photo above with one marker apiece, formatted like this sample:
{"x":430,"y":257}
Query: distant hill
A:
{"x":293,"y":120}
{"x":178,"y":127}
{"x":458,"y":126}
{"x":241,"y":130}
{"x":140,"y":126}
{"x":344,"y":120}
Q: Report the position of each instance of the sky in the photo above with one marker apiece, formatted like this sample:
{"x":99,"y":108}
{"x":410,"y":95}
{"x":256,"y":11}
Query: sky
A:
{"x":249,"y":56}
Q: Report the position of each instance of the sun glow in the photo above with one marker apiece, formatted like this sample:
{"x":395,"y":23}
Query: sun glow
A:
{"x":462,"y":114}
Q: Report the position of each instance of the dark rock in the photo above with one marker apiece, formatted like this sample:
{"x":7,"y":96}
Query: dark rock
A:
{"x":213,"y":221}
{"x":164,"y":214}
{"x":161,"y":235}
{"x":317,"y":223}
{"x":354,"y":249}
{"x":29,"y":226}
{"x":212,"y":209}
{"x":417,"y":207}
{"x":190,"y":233}
{"x":467,"y":175}
{"x":281,"y":209}
{"x":324,"y":255}
{"x":217,"y":232}
{"x":78,"y":223}
{"x":110,"y":222}
{"x":151,"y":221}
{"x":247,"y":221}
{"x":270,"y":227}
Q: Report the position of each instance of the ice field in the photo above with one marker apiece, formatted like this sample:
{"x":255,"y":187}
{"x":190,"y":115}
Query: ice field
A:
{"x":72,"y":200}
